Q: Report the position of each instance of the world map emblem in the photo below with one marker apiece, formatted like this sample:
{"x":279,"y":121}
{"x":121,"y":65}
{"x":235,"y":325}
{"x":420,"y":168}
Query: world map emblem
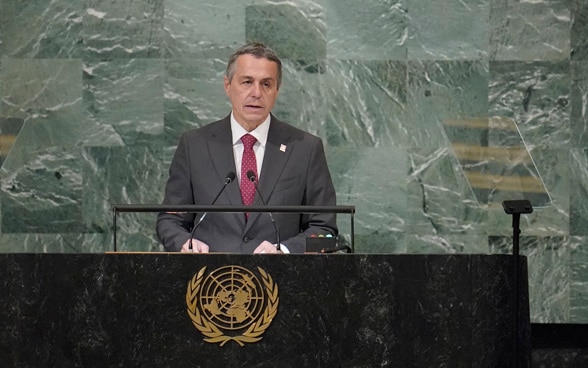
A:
{"x":232,"y":303}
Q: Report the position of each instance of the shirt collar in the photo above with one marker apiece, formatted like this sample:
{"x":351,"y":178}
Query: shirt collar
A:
{"x":260,"y":133}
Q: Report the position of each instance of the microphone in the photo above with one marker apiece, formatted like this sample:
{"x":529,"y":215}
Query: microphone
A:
{"x":228,"y":179}
{"x":253,"y":179}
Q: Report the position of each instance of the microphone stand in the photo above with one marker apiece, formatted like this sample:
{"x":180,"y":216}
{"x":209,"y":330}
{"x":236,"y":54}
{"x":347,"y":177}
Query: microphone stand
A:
{"x":515,"y":208}
{"x":253,"y":179}
{"x":228,"y":179}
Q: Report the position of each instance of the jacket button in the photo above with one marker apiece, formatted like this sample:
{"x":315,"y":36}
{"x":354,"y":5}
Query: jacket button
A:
{"x":246,"y":239}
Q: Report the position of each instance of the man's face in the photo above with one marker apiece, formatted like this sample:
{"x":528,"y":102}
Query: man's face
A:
{"x":253,"y":90}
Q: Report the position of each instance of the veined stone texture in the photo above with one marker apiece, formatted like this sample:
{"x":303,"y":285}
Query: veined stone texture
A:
{"x":94,"y":96}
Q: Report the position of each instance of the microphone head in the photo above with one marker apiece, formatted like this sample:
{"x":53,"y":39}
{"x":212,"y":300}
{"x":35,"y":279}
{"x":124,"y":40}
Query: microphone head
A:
{"x":230,"y":177}
{"x":251,"y":176}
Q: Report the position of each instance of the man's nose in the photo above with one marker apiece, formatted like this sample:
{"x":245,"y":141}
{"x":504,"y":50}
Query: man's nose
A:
{"x":256,"y":90}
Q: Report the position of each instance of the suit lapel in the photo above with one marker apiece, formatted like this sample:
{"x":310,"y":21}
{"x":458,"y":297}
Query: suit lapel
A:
{"x":220,"y":147}
{"x":276,"y":155}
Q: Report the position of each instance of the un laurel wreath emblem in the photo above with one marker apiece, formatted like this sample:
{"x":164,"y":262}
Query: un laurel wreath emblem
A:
{"x":231,"y":303}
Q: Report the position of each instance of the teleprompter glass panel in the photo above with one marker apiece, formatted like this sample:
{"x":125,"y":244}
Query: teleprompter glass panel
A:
{"x":496,"y":161}
{"x":9,"y":129}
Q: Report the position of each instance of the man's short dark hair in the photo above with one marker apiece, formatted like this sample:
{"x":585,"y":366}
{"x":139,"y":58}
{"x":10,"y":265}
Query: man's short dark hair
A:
{"x":259,"y":50}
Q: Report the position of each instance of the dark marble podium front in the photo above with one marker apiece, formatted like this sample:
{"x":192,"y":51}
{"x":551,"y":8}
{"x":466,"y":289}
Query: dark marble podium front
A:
{"x":129,"y":310}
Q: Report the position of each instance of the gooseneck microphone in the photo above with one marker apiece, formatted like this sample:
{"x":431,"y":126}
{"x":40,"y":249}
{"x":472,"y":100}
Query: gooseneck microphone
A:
{"x":253,"y":179}
{"x":228,"y":180}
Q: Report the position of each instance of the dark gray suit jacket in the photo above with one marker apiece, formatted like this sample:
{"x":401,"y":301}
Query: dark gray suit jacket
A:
{"x":297,"y":176}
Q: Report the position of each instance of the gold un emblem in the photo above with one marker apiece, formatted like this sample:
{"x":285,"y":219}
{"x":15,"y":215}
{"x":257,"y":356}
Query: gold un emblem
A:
{"x":231,"y":303}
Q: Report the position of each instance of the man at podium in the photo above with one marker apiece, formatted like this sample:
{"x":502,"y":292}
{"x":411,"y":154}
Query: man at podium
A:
{"x":248,"y":158}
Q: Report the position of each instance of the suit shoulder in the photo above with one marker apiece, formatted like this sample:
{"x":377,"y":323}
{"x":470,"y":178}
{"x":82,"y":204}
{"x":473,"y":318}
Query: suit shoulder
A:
{"x":207,"y":130}
{"x":294,"y":132}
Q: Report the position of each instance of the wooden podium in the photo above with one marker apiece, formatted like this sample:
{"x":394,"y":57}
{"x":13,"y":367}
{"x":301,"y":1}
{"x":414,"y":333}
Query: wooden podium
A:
{"x":338,"y":310}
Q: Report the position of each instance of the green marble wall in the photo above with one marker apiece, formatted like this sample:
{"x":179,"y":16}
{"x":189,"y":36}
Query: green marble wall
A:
{"x":94,"y":95}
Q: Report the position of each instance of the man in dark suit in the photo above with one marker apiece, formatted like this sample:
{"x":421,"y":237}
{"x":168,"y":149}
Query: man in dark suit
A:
{"x":288,"y":163}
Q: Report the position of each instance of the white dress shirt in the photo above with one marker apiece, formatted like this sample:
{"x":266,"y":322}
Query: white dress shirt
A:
{"x":260,"y":133}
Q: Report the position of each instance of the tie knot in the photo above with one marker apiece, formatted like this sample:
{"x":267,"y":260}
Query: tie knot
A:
{"x":248,"y":141}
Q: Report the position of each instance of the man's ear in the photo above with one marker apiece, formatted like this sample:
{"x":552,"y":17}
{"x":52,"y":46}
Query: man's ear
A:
{"x":227,"y":83}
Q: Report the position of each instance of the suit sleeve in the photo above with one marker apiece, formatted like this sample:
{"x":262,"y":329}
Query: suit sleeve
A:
{"x":173,"y":229}
{"x":319,"y":191}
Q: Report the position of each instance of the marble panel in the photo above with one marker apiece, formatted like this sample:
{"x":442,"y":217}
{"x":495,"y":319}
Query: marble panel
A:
{"x":579,"y":280}
{"x":123,"y":175}
{"x":208,"y":29}
{"x":41,"y":182}
{"x":193,"y":95}
{"x":41,"y":29}
{"x":367,"y":30}
{"x":440,"y":90}
{"x":123,"y":29}
{"x":549,"y":278}
{"x":366,"y":101}
{"x":530,"y":30}
{"x":378,"y":242}
{"x":43,"y":193}
{"x":374,"y":181}
{"x":440,"y":200}
{"x":125,"y":96}
{"x":293,"y":33}
{"x":1,"y":85}
{"x":447,"y":244}
{"x":301,"y":101}
{"x":579,"y":103}
{"x":448,"y":30}
{"x":37,"y":88}
{"x":579,"y":30}
{"x":548,"y":260}
{"x":49,"y":243}
{"x":579,"y":192}
{"x":537,"y":96}
{"x":47,"y":94}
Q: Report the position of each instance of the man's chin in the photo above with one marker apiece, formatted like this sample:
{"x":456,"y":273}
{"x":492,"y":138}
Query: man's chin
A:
{"x":253,"y":111}
{"x":256,"y":117}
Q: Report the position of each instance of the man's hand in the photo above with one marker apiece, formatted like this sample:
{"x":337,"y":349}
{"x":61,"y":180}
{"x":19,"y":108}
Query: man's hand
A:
{"x":198,"y":247}
{"x":266,"y":247}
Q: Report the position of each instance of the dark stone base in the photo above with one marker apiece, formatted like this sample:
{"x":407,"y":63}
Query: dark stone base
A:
{"x":130,"y":310}
{"x":560,"y":358}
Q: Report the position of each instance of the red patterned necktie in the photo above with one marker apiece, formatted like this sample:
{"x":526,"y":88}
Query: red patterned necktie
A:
{"x":248,"y":163}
